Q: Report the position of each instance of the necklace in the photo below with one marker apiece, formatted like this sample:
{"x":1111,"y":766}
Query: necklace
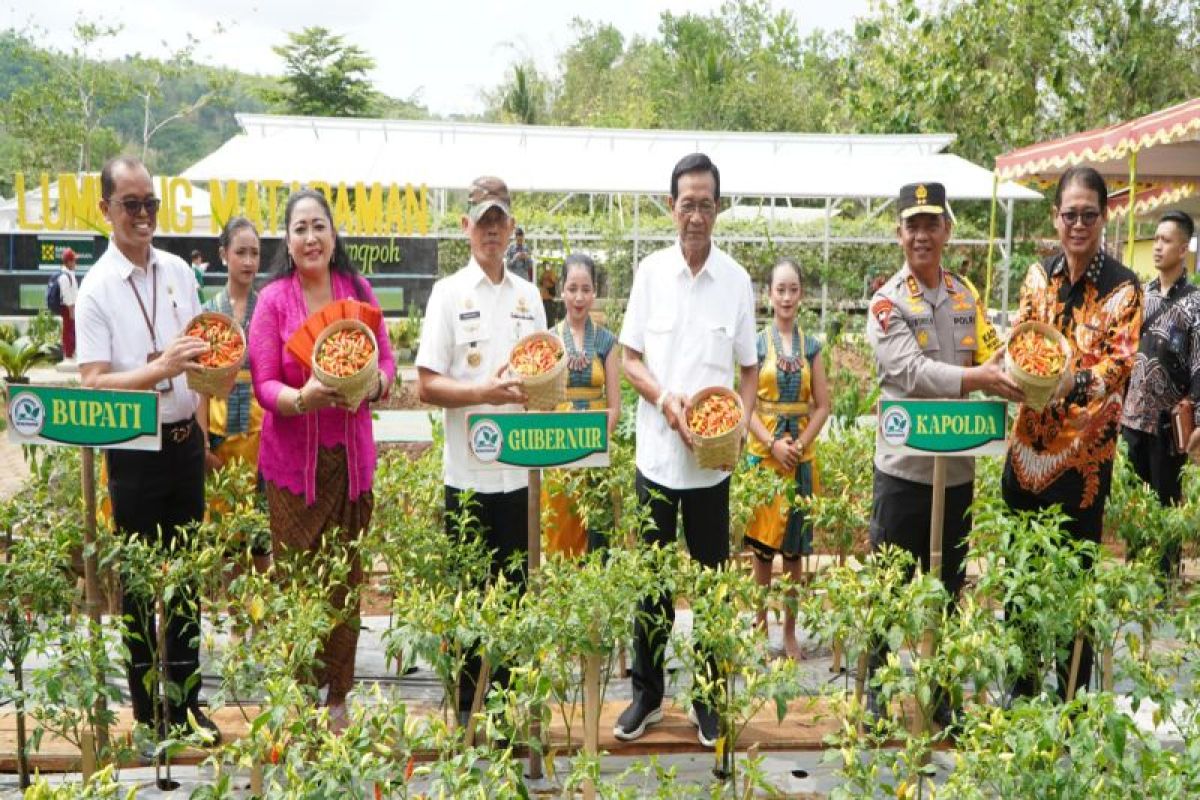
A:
{"x":786,"y":363}
{"x":578,"y":361}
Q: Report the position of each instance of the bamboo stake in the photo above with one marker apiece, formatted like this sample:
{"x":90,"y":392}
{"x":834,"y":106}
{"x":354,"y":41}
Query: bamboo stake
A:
{"x":1076,"y":656}
{"x":162,"y":758}
{"x":91,"y":584}
{"x":591,"y":715}
{"x":485,"y":676}
{"x":87,"y":755}
{"x":256,"y":779}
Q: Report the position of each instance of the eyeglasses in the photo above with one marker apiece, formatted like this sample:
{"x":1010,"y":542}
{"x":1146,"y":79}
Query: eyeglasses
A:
{"x":132,"y":205}
{"x":1088,"y":218}
{"x":706,"y":208}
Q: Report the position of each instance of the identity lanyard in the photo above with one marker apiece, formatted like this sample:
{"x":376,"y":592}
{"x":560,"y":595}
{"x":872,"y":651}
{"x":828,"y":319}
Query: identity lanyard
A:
{"x":151,"y":321}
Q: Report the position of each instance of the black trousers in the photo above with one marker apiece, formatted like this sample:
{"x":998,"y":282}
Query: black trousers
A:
{"x":901,"y":514}
{"x":706,"y":531}
{"x":1083,"y":524}
{"x":503,"y":522}
{"x":1155,"y":461}
{"x":154,"y":495}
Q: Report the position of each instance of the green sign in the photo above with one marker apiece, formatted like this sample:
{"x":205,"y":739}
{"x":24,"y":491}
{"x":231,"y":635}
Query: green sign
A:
{"x":51,"y":248}
{"x":86,"y":417}
{"x":536,"y":439}
{"x":942,"y":427}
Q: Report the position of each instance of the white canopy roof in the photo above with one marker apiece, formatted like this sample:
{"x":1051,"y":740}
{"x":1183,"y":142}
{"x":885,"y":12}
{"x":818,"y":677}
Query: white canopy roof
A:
{"x":446,"y":155}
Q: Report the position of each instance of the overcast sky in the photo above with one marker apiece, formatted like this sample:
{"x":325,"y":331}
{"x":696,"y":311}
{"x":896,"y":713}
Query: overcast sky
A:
{"x":446,"y":51}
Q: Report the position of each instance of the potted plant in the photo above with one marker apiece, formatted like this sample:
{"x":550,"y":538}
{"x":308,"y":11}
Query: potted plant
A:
{"x":18,"y":357}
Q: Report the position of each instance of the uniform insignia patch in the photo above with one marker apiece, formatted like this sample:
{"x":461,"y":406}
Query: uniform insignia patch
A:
{"x":968,"y":341}
{"x":923,"y":338}
{"x":881,"y":310}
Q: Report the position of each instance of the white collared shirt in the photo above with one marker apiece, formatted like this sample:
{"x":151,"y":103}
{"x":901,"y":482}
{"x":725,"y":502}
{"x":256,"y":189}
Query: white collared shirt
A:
{"x":690,"y":331}
{"x":68,"y":286}
{"x":110,"y":326}
{"x":471,"y":325}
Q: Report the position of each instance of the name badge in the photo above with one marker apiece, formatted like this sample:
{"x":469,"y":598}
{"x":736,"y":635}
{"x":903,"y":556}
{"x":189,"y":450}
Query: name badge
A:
{"x":465,"y":315}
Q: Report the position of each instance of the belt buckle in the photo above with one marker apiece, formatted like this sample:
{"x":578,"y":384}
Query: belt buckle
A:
{"x":180,"y":433}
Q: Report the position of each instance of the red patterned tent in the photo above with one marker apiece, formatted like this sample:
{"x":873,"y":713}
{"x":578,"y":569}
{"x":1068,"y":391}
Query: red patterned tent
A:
{"x":1159,"y":154}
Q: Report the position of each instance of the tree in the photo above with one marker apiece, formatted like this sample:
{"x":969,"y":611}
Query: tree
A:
{"x":524,"y":97}
{"x":323,"y":76}
{"x":149,"y":76}
{"x":63,"y":104}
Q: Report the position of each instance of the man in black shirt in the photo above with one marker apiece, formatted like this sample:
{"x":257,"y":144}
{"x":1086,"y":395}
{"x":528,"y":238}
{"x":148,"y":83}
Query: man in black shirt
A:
{"x":1166,"y":370}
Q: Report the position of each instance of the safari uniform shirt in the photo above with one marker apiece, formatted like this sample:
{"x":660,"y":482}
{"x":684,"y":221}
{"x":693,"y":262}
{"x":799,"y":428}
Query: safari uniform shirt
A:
{"x":110,"y":326}
{"x":471,"y":325}
{"x":690,"y":331}
{"x":923,"y":339}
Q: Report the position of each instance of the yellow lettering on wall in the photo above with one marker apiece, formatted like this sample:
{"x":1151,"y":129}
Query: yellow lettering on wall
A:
{"x":51,"y":222}
{"x":166,"y":219}
{"x":412,"y":209}
{"x":223,"y":197}
{"x":369,"y":205}
{"x":272,"y":221}
{"x":23,"y":221}
{"x":343,"y":217}
{"x":181,"y":200}
{"x":252,"y":207}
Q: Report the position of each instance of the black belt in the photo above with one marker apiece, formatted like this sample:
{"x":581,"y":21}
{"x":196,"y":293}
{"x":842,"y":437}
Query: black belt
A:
{"x":178,"y":432}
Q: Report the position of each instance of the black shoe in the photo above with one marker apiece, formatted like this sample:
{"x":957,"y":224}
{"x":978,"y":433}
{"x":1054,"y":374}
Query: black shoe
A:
{"x":203,"y":724}
{"x":947,"y":719}
{"x":705,"y":720}
{"x":634,"y":720}
{"x":871,"y":703}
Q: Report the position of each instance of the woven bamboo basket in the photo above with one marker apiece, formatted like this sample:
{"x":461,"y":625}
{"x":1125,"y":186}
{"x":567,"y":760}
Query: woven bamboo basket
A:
{"x":216,"y":381}
{"x":722,"y":450}
{"x":548,"y":390}
{"x":1038,"y":389}
{"x":354,"y":388}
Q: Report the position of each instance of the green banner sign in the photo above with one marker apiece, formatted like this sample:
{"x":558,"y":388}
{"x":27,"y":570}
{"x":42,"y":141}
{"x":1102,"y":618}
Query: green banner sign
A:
{"x":51,"y":248}
{"x":104,"y":418}
{"x":537,"y":439}
{"x":942,"y":427}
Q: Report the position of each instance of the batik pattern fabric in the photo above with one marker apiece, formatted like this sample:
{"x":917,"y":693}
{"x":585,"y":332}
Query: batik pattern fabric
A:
{"x":1064,"y":453}
{"x":1167,"y":366}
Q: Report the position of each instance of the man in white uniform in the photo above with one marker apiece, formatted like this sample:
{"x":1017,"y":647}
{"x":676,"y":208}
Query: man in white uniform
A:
{"x":131,"y":311}
{"x":473,"y":319}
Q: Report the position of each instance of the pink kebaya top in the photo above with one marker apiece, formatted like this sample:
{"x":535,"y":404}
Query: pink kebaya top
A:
{"x":287,"y":453}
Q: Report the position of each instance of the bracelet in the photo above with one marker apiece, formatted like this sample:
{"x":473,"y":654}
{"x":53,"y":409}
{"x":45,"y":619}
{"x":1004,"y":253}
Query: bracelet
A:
{"x":661,"y":401}
{"x":298,"y":403}
{"x":378,"y":393}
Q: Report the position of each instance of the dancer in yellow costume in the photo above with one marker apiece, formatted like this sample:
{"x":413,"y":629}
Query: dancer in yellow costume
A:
{"x":593,"y":383}
{"x":232,"y":426}
{"x":793,"y":404}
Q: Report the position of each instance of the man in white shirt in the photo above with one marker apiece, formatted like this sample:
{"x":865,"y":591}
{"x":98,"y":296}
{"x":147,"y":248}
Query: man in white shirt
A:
{"x":68,"y":291}
{"x":690,"y":318}
{"x":132,"y":309}
{"x":473,"y":319}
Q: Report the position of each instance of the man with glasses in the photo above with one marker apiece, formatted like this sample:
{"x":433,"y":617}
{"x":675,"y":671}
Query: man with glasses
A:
{"x":131,"y":312}
{"x":1063,"y":454}
{"x":1166,"y":371}
{"x":689,"y":321}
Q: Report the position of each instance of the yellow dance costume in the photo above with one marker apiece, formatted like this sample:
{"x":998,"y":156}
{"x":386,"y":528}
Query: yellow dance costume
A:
{"x":565,"y":531}
{"x":784,"y":396}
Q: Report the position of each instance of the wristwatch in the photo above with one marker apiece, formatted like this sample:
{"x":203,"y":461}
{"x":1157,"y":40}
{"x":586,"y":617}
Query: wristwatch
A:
{"x":299,"y":403}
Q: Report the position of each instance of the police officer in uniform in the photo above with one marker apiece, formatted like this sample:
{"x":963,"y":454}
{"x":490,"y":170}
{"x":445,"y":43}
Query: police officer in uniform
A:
{"x":931,"y":337}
